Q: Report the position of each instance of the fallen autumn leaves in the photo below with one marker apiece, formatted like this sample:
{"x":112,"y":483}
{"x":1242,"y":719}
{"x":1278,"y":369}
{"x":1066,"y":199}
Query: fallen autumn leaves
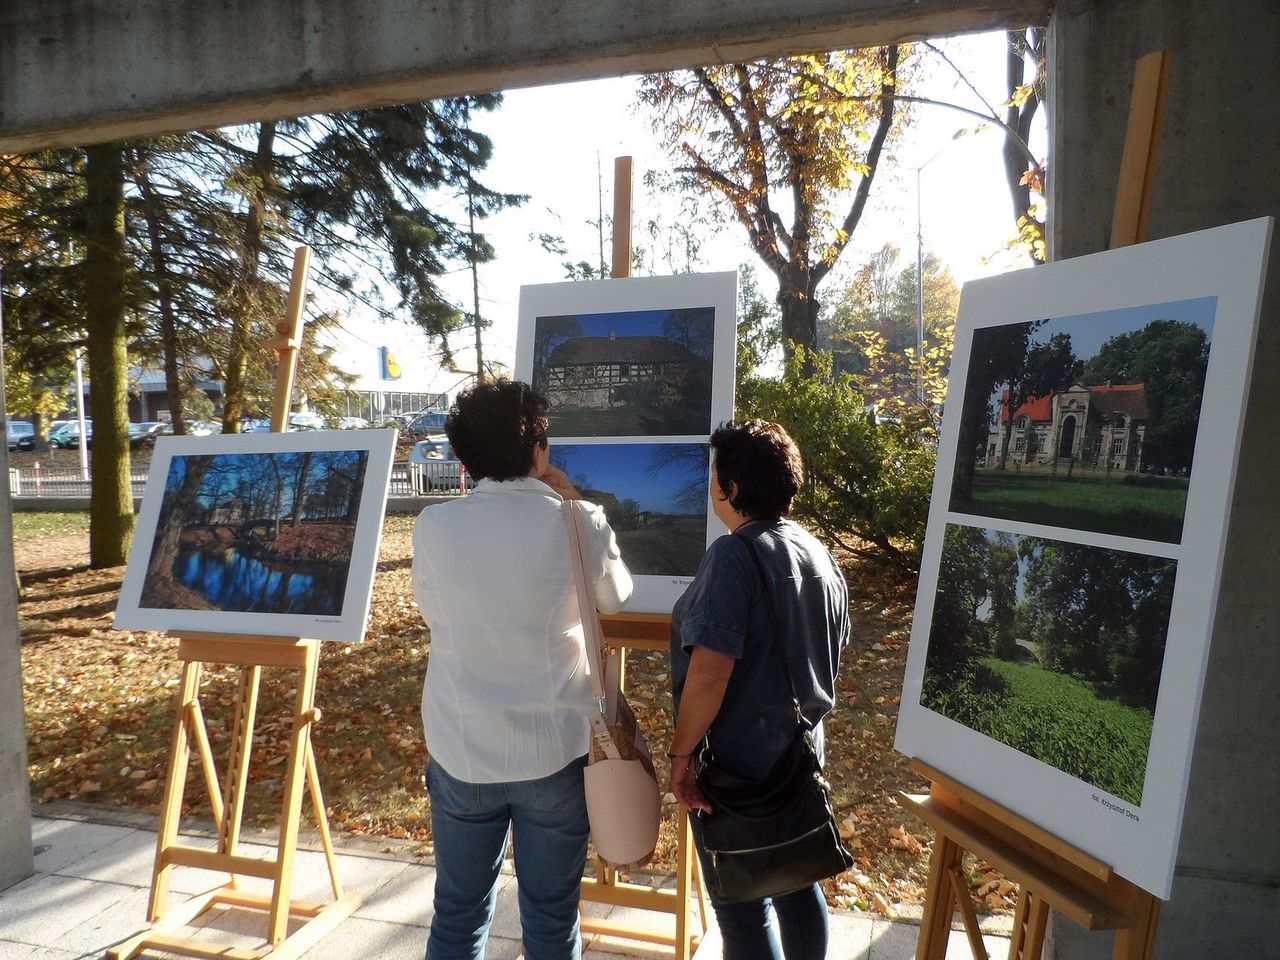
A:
{"x":99,"y":706}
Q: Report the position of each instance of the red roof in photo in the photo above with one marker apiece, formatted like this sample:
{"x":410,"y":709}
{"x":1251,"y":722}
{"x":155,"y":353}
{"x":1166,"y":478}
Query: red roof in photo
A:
{"x":1106,"y":399}
{"x":1037,"y":408}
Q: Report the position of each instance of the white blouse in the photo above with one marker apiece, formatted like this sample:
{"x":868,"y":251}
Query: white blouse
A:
{"x":508,"y":694}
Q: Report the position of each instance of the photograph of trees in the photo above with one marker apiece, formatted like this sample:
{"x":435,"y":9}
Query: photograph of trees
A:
{"x":256,"y":532}
{"x":627,"y":373}
{"x":1087,"y":422}
{"x":654,"y":494}
{"x":1054,"y":649}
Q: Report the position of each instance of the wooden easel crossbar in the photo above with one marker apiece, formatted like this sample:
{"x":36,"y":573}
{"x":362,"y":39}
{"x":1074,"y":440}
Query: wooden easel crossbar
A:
{"x":227,"y":798}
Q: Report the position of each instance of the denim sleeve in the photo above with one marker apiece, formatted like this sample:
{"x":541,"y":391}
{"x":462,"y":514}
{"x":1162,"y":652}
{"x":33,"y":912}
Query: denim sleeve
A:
{"x":717,"y":606}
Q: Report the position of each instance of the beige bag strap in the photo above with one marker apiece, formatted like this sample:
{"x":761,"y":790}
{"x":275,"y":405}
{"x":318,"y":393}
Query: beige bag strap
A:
{"x":593,"y":637}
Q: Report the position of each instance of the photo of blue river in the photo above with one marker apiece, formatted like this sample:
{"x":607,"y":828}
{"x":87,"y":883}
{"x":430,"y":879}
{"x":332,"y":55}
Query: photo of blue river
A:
{"x":234,"y":582}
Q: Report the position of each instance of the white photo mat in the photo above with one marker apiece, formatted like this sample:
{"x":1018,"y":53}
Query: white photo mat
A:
{"x":349,"y":624}
{"x":1228,"y":263}
{"x":719,"y":291}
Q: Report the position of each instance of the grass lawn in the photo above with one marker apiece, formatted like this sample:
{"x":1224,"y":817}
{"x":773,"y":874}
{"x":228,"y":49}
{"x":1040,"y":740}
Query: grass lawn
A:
{"x":1058,"y":720}
{"x":1141,"y":506}
{"x":31,"y":525}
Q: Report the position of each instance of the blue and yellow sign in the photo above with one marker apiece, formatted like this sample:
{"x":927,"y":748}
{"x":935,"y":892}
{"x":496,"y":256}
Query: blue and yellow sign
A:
{"x":390,"y":366}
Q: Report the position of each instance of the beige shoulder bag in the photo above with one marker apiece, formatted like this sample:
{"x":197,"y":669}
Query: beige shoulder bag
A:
{"x":622,"y":788}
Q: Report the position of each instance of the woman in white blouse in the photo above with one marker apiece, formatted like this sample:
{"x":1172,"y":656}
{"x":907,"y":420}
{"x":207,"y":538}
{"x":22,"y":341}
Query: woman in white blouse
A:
{"x":507,"y":698}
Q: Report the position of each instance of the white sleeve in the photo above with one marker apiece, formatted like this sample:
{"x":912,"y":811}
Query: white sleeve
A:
{"x":612,"y":580}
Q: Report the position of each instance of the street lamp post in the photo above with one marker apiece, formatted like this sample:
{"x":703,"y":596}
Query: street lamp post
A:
{"x":920,"y":265}
{"x":84,"y":440}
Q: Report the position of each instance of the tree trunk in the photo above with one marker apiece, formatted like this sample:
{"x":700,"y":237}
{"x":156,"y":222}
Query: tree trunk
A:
{"x":176,"y":510}
{"x":245,"y":309}
{"x":111,"y":498}
{"x":153,"y":212}
{"x":799,"y":311}
{"x":300,"y":489}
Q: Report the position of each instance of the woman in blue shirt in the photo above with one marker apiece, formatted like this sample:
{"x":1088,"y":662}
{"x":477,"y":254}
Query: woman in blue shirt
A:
{"x":725,"y":684}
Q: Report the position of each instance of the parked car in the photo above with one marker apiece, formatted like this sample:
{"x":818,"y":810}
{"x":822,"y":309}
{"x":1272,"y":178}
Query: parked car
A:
{"x":202,"y":428}
{"x":20,"y":434}
{"x":433,"y":467}
{"x":67,"y":436}
{"x":428,"y":423}
{"x":144,"y":434}
{"x":346,"y":423}
{"x":306,"y":421}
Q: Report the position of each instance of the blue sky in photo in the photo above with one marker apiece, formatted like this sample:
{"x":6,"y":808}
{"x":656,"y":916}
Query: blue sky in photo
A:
{"x":1089,"y":331}
{"x":230,"y":465}
{"x":627,"y":470}
{"x":639,"y":323}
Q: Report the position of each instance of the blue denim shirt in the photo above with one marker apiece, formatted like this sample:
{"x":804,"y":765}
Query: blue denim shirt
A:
{"x":724,"y":610}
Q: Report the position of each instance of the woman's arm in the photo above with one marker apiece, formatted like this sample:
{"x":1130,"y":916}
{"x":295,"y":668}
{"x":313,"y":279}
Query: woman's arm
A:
{"x":704,"y":688}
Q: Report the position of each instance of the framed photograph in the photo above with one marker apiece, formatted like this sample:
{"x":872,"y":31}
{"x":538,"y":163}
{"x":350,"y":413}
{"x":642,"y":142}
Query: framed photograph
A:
{"x":1071,"y":565}
{"x":655,"y":497}
{"x":268,"y":533}
{"x":637,"y":373}
{"x":634,"y":357}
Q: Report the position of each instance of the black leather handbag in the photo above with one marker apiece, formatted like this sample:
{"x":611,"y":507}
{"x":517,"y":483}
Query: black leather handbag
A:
{"x":775,"y":835}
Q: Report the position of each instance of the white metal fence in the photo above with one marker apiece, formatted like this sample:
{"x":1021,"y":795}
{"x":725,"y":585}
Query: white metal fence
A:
{"x":407,"y":479}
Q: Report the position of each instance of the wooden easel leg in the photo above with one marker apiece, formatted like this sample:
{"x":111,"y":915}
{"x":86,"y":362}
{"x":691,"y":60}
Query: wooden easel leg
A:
{"x":684,"y":878}
{"x":175,"y":780}
{"x":960,"y":891}
{"x":1030,"y":921}
{"x":200,"y":733}
{"x":278,"y":922}
{"x":322,"y":819}
{"x":1138,"y":941}
{"x":935,"y":925}
{"x":238,"y":759}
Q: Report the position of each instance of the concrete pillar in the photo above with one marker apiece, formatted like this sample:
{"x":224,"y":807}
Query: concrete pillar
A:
{"x":15,"y":788}
{"x":1219,"y":163}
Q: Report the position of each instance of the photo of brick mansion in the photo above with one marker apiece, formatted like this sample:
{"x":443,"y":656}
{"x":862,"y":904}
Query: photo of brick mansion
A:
{"x":1097,"y":426}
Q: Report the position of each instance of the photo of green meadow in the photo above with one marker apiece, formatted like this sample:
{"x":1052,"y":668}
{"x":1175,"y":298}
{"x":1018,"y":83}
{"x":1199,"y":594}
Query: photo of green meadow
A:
{"x":1086,"y":422}
{"x":1054,"y":649}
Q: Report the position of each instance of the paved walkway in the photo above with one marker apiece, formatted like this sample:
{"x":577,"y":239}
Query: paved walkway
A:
{"x":92,"y":878}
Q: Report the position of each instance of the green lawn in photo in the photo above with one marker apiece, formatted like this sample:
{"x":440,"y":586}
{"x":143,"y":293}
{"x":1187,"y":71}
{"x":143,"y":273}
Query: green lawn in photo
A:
{"x":1057,"y":719}
{"x":1128,"y":505}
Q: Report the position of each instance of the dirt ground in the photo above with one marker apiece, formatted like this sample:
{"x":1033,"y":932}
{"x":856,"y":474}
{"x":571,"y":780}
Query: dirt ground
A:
{"x":100,"y":706}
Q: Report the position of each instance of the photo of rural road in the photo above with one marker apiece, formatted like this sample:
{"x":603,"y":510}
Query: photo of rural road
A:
{"x":654,"y":494}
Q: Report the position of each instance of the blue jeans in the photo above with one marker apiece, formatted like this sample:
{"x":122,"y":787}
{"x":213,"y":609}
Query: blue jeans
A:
{"x":747,"y":929}
{"x":469,"y":822}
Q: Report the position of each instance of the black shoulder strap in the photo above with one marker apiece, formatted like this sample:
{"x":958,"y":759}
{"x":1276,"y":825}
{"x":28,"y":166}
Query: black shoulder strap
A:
{"x":773,"y":626}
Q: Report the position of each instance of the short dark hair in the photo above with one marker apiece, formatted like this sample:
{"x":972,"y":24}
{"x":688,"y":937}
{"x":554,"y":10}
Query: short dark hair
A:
{"x":495,"y":426}
{"x":763,"y":460}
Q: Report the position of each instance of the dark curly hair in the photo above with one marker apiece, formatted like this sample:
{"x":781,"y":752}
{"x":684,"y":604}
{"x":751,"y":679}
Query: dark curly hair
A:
{"x":495,"y":426}
{"x":763,"y":460}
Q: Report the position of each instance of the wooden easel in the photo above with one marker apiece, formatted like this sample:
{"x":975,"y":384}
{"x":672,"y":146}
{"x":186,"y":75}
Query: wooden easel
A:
{"x":250,"y":654}
{"x":642,"y":631}
{"x":1049,"y":871}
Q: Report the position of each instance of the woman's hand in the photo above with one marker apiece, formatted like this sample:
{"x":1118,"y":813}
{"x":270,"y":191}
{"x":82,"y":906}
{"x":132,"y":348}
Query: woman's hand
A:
{"x":684,"y":784}
{"x":558,"y":480}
